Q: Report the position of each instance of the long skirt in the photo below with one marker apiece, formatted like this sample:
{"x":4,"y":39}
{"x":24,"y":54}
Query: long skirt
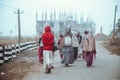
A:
{"x":40,"y":54}
{"x":68,"y":55}
{"x":88,"y":56}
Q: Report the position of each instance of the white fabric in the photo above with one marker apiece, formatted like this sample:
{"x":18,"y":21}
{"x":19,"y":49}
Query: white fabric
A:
{"x":67,"y":41}
{"x":85,"y":44}
{"x":52,"y":58}
{"x":74,"y":41}
{"x":41,"y":44}
{"x":79,"y":50}
{"x":48,"y":58}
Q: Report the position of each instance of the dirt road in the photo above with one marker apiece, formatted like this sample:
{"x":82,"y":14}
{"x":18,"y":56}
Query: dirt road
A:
{"x":105,"y":67}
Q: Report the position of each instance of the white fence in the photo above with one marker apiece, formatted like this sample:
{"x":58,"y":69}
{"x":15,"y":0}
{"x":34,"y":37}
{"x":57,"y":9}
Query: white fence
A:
{"x":8,"y":52}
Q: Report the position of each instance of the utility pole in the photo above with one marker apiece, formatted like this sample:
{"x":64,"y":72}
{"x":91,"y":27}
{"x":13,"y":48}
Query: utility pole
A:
{"x":19,"y":25}
{"x":113,"y":36}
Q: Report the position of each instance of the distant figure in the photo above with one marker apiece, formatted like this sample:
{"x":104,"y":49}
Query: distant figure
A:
{"x":48,"y":42}
{"x":75,"y":45}
{"x":55,"y":45}
{"x":79,"y":37}
{"x":60,"y":45}
{"x":40,"y":51}
{"x":53,"y":52}
{"x":67,"y":49}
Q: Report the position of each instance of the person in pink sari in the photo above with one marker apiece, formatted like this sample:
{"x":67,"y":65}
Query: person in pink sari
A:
{"x":89,"y":49}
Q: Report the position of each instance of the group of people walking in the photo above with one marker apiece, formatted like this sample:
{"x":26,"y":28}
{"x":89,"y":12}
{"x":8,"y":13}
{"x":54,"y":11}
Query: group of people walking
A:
{"x":70,"y":46}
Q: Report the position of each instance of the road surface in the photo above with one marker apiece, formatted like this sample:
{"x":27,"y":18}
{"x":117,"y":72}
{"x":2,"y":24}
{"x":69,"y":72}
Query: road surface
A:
{"x":105,"y":67}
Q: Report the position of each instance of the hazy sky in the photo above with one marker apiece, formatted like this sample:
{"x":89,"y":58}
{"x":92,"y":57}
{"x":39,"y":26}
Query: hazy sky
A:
{"x":100,"y":11}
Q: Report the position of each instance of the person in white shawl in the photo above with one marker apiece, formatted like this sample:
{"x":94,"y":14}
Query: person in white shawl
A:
{"x":75,"y":45}
{"x":67,"y":50}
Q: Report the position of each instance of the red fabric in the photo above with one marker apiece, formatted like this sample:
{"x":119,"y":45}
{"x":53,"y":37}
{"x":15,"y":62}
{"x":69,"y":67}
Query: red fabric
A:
{"x":40,"y":54}
{"x":48,"y":39}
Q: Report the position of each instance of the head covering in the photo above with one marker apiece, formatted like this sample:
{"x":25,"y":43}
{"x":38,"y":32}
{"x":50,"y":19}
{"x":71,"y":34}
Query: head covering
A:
{"x":86,"y":32}
{"x":68,"y":31}
{"x":61,"y":35}
{"x":47,"y":29}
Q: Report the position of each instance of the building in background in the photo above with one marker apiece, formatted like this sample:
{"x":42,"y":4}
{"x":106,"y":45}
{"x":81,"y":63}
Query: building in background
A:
{"x":64,"y":20}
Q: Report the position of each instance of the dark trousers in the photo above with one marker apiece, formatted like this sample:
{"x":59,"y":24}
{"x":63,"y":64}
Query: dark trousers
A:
{"x":75,"y":49}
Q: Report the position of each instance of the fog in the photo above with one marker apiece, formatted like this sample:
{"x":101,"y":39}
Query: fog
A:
{"x":100,"y":11}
